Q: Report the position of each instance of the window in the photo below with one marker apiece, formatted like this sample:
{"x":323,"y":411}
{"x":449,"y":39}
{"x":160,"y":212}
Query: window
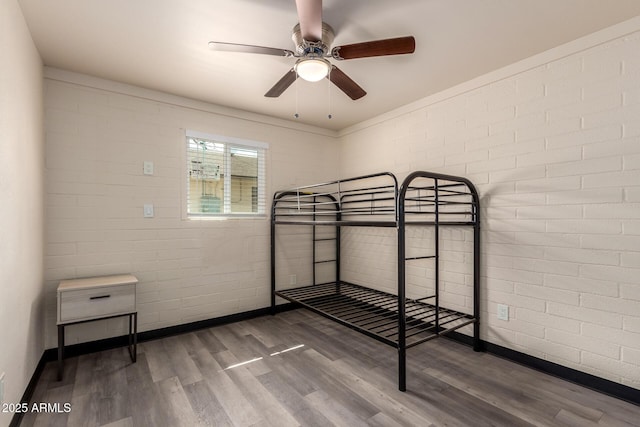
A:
{"x":225,"y":176}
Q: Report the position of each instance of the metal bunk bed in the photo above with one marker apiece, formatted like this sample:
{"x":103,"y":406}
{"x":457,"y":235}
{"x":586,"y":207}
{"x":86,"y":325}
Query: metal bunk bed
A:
{"x":424,"y":199}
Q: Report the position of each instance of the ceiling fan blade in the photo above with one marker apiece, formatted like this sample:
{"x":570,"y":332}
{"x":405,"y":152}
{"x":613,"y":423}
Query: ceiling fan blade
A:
{"x":310,"y":18}
{"x":396,"y":46}
{"x":248,"y":48}
{"x":282,"y":84}
{"x":345,"y":83}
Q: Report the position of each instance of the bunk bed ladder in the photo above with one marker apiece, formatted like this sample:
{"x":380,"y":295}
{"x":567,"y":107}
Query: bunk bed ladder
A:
{"x":315,"y":241}
{"x":435,"y":256}
{"x":315,"y":260}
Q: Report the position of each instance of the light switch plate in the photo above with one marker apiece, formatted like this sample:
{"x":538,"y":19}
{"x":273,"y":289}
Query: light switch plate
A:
{"x":147,"y":167}
{"x":148,"y":211}
{"x":503,"y":312}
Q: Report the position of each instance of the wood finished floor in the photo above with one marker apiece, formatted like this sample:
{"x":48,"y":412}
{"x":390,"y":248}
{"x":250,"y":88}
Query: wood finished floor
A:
{"x":336,"y":377}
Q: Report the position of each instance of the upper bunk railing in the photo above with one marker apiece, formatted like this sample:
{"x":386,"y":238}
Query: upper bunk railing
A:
{"x":364,"y":200}
{"x":428,"y":197}
{"x":376,"y":200}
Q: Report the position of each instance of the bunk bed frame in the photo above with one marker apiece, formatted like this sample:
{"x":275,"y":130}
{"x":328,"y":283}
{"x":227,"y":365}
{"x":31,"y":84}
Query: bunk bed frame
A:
{"x":424,"y":199}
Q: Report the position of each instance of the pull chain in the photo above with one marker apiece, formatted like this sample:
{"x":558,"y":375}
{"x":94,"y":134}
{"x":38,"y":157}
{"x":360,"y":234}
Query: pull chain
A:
{"x":296,"y":115}
{"x":329,"y":78}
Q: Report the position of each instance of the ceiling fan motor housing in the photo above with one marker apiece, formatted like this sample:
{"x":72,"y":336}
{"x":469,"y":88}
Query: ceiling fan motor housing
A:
{"x":313,"y":48}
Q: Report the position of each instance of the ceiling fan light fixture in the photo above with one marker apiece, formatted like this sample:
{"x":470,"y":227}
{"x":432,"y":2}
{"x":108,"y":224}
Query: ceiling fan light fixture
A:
{"x":312,"y":69}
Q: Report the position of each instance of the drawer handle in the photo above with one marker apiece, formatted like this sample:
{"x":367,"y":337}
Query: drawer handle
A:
{"x":100,"y":297}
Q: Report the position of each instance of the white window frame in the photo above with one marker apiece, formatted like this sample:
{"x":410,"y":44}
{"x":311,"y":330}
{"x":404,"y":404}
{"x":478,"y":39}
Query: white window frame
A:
{"x":229,"y":144}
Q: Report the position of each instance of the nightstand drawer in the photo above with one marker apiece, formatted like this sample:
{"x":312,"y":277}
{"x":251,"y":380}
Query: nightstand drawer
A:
{"x":92,"y":303}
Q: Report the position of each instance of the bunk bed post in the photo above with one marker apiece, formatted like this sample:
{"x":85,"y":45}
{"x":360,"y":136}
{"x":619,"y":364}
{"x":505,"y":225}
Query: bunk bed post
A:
{"x":436,"y":266}
{"x":338,"y":205}
{"x":338,"y":251}
{"x":477,"y":344}
{"x":402,"y":320}
{"x":273,"y":256}
{"x":313,"y":242}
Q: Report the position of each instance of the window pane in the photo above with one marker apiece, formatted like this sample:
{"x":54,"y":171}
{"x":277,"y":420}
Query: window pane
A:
{"x":206,"y":176}
{"x":244,"y":178}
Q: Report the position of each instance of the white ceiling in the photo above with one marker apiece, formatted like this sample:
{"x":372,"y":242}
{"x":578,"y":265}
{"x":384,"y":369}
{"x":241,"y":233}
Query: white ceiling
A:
{"x":162,"y":45}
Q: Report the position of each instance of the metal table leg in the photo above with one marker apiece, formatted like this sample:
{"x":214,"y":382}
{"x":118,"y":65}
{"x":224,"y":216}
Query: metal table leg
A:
{"x":133,"y":336}
{"x":60,"y":351}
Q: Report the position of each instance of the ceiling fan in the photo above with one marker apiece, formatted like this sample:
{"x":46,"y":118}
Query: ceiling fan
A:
{"x":313,"y":39}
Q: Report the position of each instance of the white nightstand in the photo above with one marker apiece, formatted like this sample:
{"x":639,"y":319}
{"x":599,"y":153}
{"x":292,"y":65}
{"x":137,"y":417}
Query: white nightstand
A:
{"x":95,"y":298}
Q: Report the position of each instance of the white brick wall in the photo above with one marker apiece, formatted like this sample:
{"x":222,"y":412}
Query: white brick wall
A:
{"x":96,"y":141}
{"x":554,"y":150}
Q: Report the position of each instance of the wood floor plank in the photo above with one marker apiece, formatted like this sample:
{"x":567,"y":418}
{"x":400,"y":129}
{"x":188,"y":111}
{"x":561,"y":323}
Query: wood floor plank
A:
{"x":253,"y":360}
{"x":568,"y":418}
{"x":393,"y":408}
{"x":139,"y":373}
{"x":85,"y":378}
{"x":112,"y":377}
{"x":158,"y":360}
{"x":261,"y":332}
{"x":315,"y":337}
{"x":297,"y":378}
{"x":85,"y":410}
{"x":323,"y":379}
{"x":191,"y":343}
{"x":232,"y":340}
{"x":182,"y":363}
{"x":206,"y":363}
{"x":114,"y":407}
{"x":294,"y":403}
{"x":612,"y":421}
{"x":260,"y":398}
{"x":382,"y":420}
{"x":125,"y":422}
{"x":233,"y":401}
{"x":210,"y":341}
{"x":178,"y":407}
{"x":231,"y":398}
{"x":261,"y":366}
{"x":206,"y":408}
{"x":147,"y":406}
{"x":333,"y":410}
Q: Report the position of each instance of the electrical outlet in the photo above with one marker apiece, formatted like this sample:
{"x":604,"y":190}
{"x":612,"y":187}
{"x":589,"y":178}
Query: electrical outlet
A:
{"x":293,"y":279}
{"x":2,"y":387}
{"x":503,"y":312}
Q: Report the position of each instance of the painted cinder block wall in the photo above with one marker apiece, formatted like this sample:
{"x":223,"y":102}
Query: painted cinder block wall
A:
{"x":21,"y":205}
{"x":98,"y":134}
{"x":553,"y":145}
